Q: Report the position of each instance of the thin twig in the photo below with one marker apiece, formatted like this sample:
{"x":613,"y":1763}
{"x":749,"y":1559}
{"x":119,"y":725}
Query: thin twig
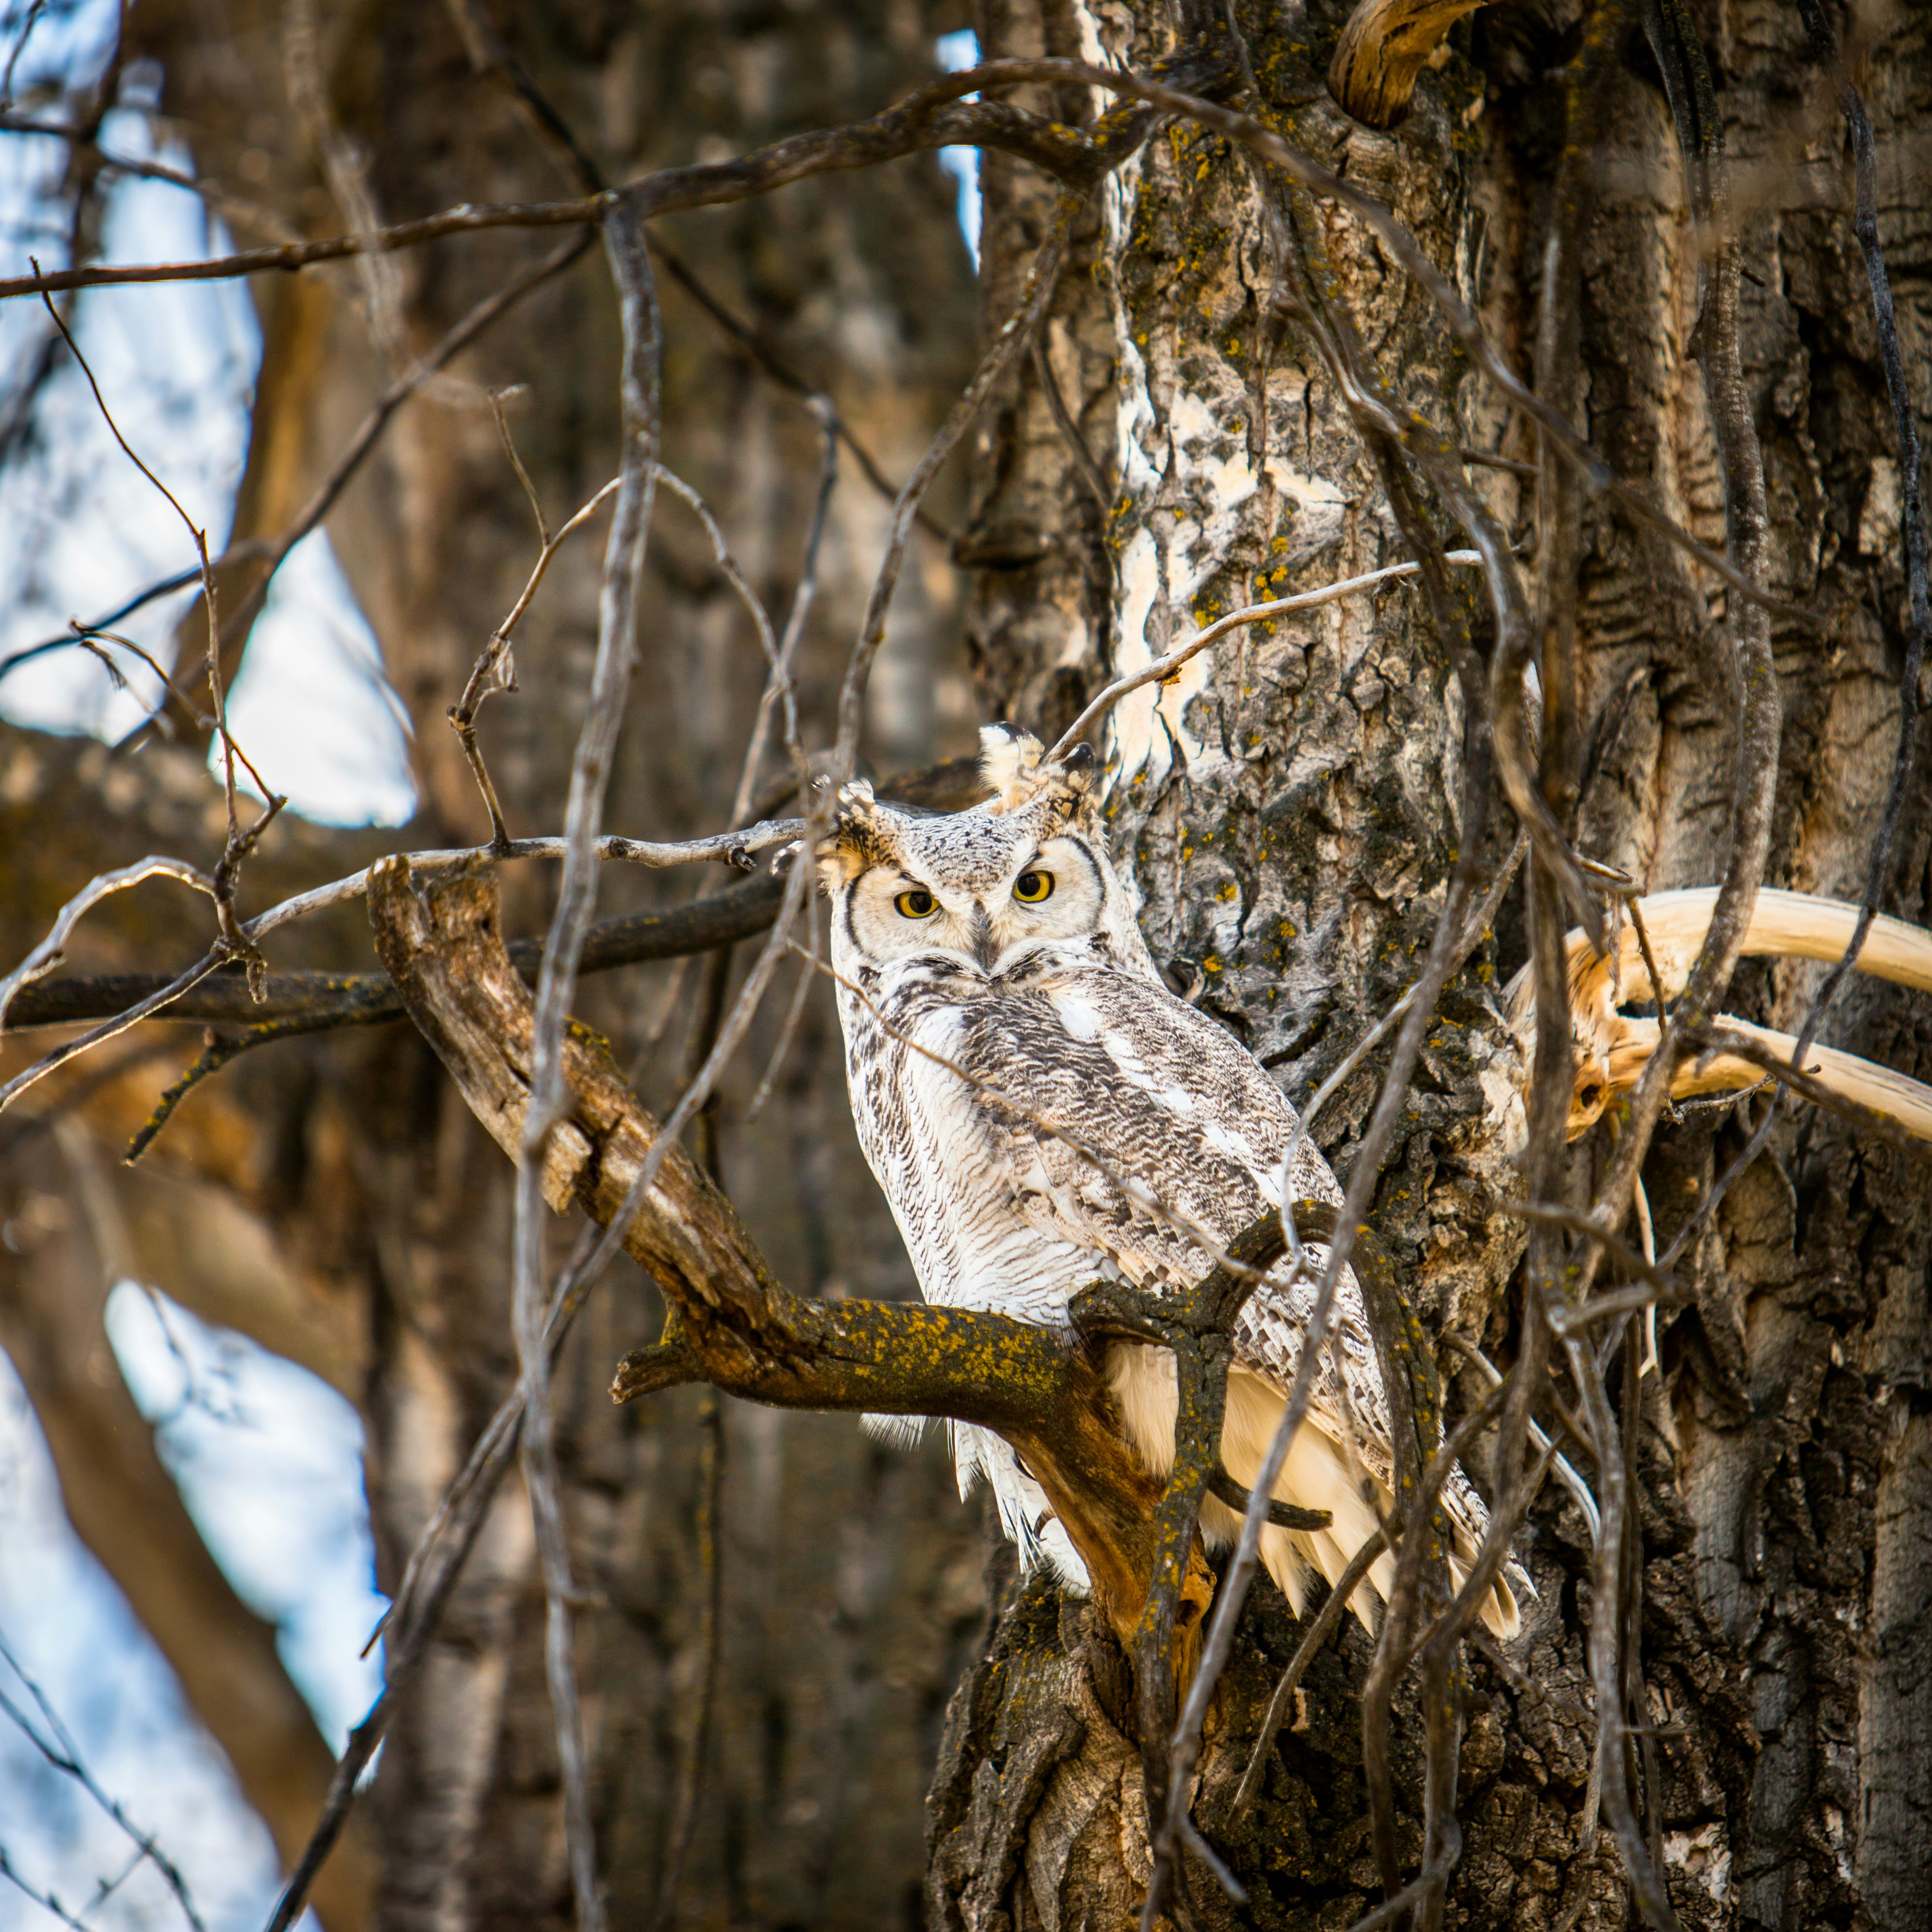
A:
{"x":1163,"y":668}
{"x":793,"y":1015}
{"x":1318,"y":1633}
{"x":1566,"y":1470}
{"x":76,"y":632}
{"x":495,"y":668}
{"x":238,"y":843}
{"x":48,"y":954}
{"x":490,"y":309}
{"x":590,"y":772}
{"x":35,"y":9}
{"x":64,"y":1755}
{"x":1478,"y":922}
{"x":1487,"y":459}
{"x":46,"y":1900}
{"x":112,"y":1029}
{"x":1084,"y":467}
{"x":1556,"y":1215}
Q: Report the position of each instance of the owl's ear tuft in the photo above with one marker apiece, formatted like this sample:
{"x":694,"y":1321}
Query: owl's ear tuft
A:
{"x":1009,"y":765}
{"x":1016,"y":770}
{"x":1080,"y":769}
{"x":862,"y":836}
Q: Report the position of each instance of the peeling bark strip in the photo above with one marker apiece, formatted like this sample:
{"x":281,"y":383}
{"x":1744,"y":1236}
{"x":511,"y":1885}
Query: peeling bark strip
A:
{"x":1383,"y":48}
{"x":732,"y":1324}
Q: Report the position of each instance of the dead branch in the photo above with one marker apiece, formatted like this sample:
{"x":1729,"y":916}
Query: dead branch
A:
{"x":231,"y":941}
{"x":1383,"y":48}
{"x":370,"y":999}
{"x":48,"y":954}
{"x":1163,"y":668}
{"x":933,"y":118}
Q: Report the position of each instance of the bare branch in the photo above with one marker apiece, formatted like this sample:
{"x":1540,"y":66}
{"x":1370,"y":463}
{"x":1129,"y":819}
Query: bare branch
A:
{"x":143,"y":1008}
{"x":1566,"y":1470}
{"x":48,"y":954}
{"x":490,"y":310}
{"x":369,"y":999}
{"x":590,"y":771}
{"x":933,"y":118}
{"x":239,"y":844}
{"x":495,"y":668}
{"x":1774,"y":1062}
{"x":1163,"y":668}
{"x":1318,"y":1633}
{"x":64,"y":1755}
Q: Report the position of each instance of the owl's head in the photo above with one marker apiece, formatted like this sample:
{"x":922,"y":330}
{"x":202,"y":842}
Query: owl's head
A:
{"x":1024,"y":875}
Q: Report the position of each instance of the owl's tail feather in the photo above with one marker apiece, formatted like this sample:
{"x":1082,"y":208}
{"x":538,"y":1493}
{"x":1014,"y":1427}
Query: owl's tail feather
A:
{"x":1317,"y":1475}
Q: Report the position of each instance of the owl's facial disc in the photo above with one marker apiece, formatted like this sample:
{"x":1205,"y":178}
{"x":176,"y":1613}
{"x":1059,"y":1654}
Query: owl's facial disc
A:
{"x":892,"y":912}
{"x":1053,"y":893}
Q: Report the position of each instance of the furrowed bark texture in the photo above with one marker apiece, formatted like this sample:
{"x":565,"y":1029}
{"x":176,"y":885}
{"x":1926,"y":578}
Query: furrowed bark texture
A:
{"x":1290,"y":807}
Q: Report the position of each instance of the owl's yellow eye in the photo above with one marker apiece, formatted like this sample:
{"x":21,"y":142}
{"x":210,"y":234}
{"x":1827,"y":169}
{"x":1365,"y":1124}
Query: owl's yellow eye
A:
{"x":1032,"y":887}
{"x":916,"y":904}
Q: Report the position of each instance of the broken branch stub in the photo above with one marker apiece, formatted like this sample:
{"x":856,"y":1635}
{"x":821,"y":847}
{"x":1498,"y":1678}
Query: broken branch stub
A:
{"x":438,"y":934}
{"x":1612,"y":1047}
{"x":1382,"y":50}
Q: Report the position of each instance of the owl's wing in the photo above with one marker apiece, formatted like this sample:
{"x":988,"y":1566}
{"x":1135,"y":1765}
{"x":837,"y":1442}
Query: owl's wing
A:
{"x":1166,"y":1098}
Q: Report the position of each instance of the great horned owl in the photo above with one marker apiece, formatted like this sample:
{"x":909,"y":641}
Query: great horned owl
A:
{"x":1001,"y":939}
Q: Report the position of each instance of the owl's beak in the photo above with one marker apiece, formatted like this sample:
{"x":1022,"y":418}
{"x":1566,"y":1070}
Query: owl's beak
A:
{"x":985,"y":946}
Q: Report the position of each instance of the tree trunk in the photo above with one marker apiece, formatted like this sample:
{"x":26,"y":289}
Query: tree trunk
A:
{"x":1291,"y":810}
{"x":851,"y":1576}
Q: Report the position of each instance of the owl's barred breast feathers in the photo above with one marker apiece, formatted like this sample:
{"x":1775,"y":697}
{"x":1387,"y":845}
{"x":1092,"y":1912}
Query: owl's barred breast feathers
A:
{"x":996,"y":980}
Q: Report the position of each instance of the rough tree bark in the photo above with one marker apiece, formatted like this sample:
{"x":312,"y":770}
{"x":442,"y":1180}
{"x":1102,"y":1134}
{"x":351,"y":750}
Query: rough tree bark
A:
{"x":1291,"y":812}
{"x":1290,"y":807}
